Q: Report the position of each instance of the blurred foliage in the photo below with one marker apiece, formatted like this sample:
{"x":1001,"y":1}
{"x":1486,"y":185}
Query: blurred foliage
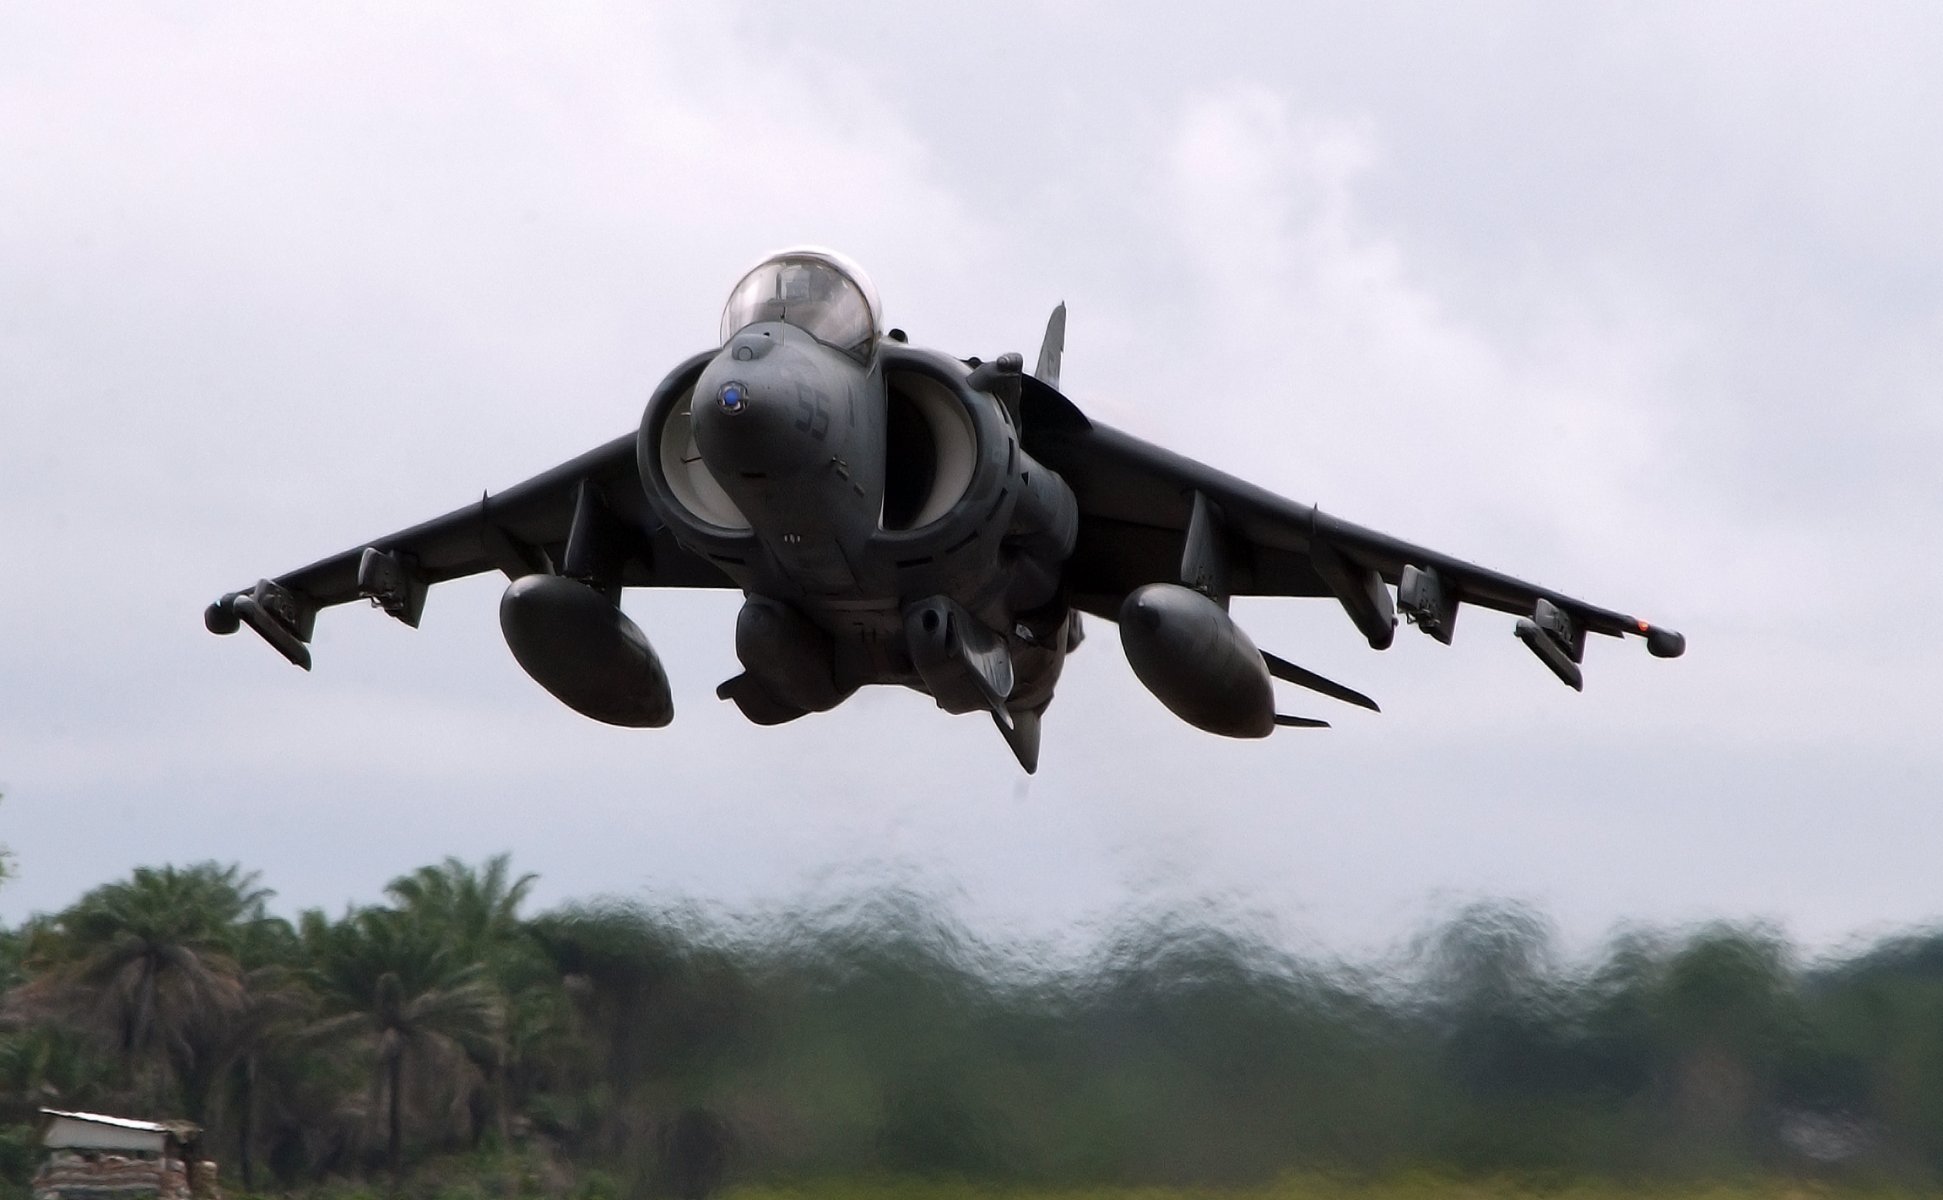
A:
{"x":6,"y":858}
{"x":1416,"y":1186}
{"x":442,"y":1045}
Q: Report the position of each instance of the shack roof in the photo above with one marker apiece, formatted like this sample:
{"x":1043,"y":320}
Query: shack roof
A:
{"x":98,"y":1131}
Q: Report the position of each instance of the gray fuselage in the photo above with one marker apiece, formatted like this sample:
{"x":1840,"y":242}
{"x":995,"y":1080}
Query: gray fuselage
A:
{"x":878,"y":514}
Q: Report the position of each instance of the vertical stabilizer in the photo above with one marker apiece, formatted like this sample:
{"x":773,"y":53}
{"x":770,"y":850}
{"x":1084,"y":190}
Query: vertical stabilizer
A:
{"x":1050,"y":350}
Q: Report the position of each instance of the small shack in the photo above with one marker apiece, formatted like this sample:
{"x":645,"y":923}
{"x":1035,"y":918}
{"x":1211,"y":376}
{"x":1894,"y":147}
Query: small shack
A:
{"x":92,"y":1156}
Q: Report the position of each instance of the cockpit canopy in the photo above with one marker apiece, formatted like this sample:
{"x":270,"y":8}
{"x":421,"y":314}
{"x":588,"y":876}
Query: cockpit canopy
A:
{"x":818,"y":291}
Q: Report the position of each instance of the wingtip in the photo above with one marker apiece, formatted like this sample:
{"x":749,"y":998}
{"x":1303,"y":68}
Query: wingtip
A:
{"x":1663,"y":643}
{"x":1670,"y":644}
{"x":220,"y":617}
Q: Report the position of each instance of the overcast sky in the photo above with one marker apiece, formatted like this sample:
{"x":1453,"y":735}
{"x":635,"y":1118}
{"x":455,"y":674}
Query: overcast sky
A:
{"x":1643,"y":302}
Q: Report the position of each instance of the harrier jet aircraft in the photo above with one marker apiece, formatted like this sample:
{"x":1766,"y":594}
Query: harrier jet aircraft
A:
{"x":897,"y":515}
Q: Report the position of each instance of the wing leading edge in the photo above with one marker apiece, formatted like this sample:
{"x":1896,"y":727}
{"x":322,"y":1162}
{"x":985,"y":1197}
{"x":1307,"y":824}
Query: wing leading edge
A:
{"x":587,"y":518}
{"x":1137,"y":500}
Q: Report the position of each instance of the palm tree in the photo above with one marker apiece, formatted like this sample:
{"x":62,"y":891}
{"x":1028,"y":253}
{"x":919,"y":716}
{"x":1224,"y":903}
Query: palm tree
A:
{"x":395,"y":989}
{"x":46,"y":1065}
{"x":149,"y":964}
{"x":13,"y":950}
{"x":266,"y":1031}
{"x":476,"y":911}
{"x":622,"y":973}
{"x":652,"y":1013}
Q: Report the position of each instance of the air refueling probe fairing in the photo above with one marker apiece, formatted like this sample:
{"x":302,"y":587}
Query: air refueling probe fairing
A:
{"x":894,"y":515}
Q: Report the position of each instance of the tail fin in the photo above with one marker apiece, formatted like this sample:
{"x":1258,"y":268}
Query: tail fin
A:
{"x":1050,"y":350}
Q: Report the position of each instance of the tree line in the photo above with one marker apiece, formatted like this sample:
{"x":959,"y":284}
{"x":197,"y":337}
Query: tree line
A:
{"x":656,"y":1051}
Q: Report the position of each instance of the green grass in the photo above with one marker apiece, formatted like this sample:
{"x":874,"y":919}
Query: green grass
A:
{"x":516,"y":1176}
{"x":1414,"y":1187}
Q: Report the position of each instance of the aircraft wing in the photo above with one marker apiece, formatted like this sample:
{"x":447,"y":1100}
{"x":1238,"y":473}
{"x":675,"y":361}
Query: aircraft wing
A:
{"x":587,"y":517}
{"x":1149,"y":515}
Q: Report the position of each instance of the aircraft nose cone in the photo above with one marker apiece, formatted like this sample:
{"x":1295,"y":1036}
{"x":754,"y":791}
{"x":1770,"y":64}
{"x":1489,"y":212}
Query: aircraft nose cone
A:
{"x":742,"y":426}
{"x":772,"y":406}
{"x":733,"y":396}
